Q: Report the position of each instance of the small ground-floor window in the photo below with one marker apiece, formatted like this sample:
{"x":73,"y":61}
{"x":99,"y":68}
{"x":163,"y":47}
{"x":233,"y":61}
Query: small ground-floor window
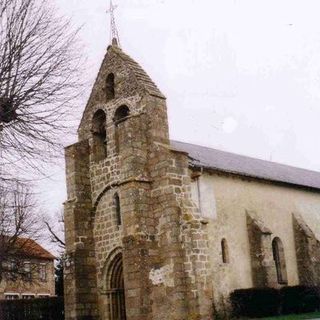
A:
{"x":11,"y":296}
{"x":27,"y":296}
{"x":43,"y":295}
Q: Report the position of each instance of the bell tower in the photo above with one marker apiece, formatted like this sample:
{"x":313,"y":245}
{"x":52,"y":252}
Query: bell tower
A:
{"x":132,"y":230}
{"x":124,"y":117}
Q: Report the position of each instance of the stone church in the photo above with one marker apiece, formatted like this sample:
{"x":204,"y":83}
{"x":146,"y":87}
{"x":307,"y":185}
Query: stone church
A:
{"x":160,"y":229}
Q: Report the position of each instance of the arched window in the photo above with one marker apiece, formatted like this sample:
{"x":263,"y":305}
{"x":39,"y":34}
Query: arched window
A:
{"x":121,"y":114}
{"x":225,"y":251}
{"x":118,"y":209}
{"x":99,"y":147}
{"x":110,"y":87}
{"x":279,"y":260}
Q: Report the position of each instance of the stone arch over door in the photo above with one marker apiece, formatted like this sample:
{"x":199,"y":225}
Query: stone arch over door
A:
{"x":114,"y":286}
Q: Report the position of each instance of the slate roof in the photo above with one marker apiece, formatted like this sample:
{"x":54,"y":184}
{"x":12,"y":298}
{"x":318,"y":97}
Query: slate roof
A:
{"x":209,"y":158}
{"x":142,"y":77}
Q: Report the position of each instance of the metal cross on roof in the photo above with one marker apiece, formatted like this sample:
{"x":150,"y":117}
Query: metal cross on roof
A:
{"x":114,"y":36}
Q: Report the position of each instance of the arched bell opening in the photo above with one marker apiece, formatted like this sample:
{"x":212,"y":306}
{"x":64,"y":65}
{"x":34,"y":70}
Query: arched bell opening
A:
{"x":121,"y":114}
{"x":99,"y":135}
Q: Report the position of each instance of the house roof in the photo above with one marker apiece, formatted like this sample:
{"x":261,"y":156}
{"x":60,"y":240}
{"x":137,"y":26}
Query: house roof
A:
{"x":214,"y":159}
{"x":30,"y":248}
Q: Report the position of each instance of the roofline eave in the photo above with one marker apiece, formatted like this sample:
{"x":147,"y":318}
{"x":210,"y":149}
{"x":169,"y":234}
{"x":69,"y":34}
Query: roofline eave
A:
{"x":211,"y":169}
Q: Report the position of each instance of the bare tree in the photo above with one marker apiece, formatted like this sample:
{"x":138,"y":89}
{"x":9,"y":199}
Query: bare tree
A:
{"x":18,"y":224}
{"x":55,"y":226}
{"x":39,"y":79}
{"x":40,"y":69}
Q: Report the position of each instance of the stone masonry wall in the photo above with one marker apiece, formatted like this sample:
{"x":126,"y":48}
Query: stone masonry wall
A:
{"x":80,"y":268}
{"x":181,"y":287}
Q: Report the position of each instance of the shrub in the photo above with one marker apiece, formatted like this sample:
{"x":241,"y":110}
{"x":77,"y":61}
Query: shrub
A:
{"x":300,"y":299}
{"x":255,"y":302}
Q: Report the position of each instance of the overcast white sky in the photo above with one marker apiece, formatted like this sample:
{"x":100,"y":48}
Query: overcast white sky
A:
{"x":239,"y":75}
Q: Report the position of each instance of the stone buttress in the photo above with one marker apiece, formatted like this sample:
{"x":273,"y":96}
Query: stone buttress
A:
{"x":129,"y":205}
{"x":262,"y":263}
{"x":308,"y":252}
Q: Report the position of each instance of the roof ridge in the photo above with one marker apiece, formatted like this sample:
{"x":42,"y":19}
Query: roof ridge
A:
{"x":140,"y":74}
{"x":224,"y":161}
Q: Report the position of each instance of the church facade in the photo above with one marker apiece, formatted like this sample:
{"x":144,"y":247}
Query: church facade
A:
{"x":159,"y":229}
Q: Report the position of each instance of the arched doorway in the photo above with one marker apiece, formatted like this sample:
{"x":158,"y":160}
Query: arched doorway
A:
{"x":115,"y":290}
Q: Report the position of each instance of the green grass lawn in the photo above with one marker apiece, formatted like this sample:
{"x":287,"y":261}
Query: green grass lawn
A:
{"x":313,"y":315}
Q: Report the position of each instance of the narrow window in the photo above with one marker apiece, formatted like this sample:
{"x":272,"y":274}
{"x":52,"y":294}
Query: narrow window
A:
{"x":110,"y":87}
{"x":99,"y":147}
{"x":27,"y":270}
{"x":225,"y":251}
{"x":12,"y":270}
{"x":42,"y":272}
{"x":279,"y":260}
{"x":13,"y":266}
{"x":118,"y":210}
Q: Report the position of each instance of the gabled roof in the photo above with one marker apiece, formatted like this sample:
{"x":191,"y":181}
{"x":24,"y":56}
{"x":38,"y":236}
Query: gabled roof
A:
{"x":29,"y":248}
{"x":237,"y":164}
{"x":141,"y":76}
{"x":113,"y":55}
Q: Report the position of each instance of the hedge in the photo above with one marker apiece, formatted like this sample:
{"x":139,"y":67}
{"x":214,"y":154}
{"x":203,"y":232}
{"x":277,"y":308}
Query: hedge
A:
{"x":50,"y":308}
{"x":255,"y":302}
{"x":300,"y":299}
{"x":265,"y":302}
